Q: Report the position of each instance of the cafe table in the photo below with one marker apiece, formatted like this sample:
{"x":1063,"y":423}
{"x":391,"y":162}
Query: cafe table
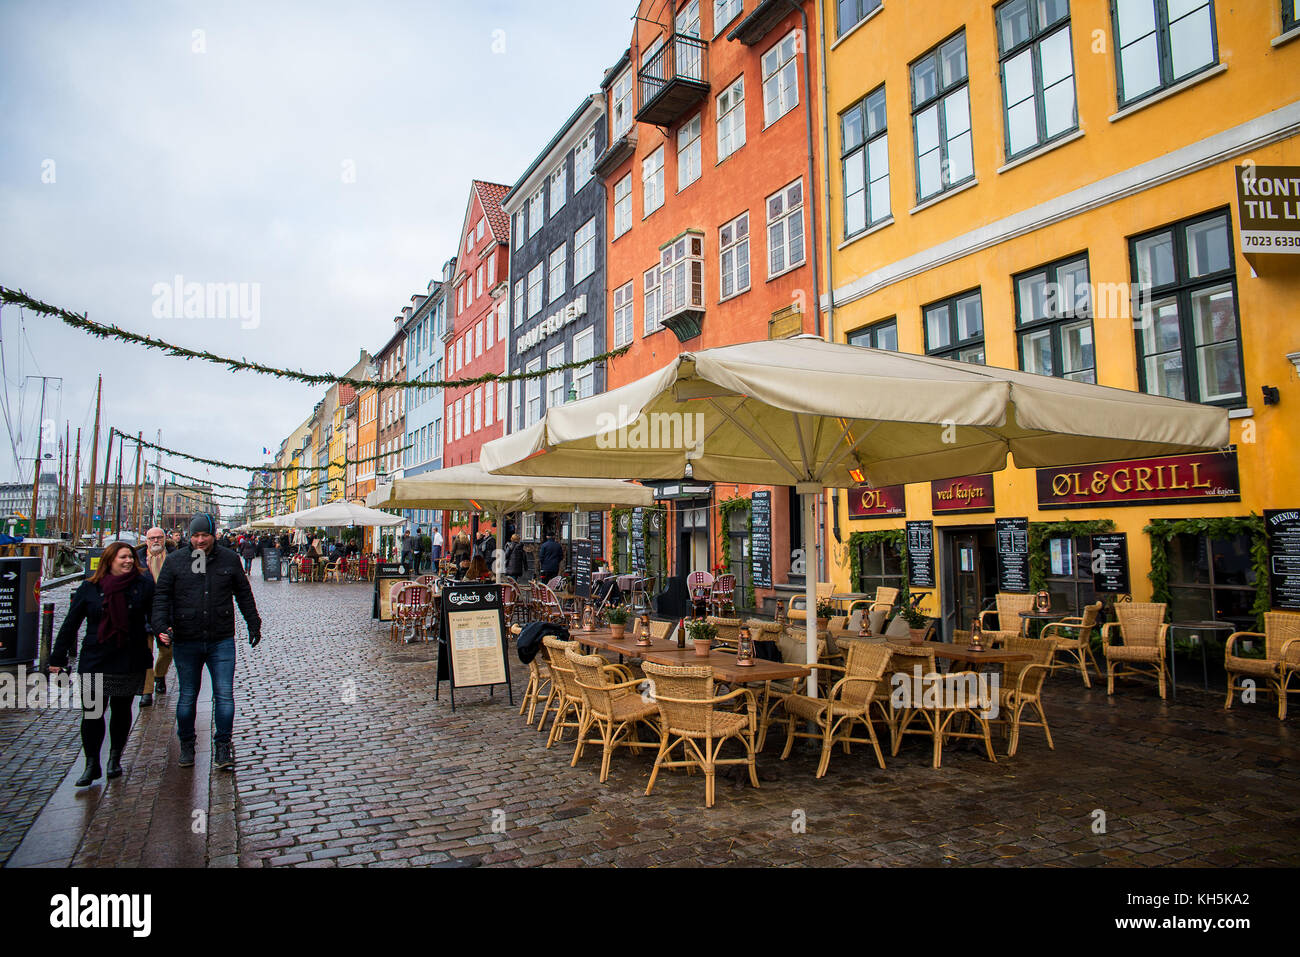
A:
{"x":1043,"y":618}
{"x":1199,"y":630}
{"x":851,"y":597}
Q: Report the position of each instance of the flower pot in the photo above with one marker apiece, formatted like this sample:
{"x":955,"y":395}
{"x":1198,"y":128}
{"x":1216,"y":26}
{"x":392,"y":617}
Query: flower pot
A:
{"x":617,"y":630}
{"x":916,"y":636}
{"x":702,"y":649}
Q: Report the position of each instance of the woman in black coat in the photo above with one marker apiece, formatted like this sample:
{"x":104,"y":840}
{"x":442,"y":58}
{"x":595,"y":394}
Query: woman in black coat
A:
{"x":115,"y":605}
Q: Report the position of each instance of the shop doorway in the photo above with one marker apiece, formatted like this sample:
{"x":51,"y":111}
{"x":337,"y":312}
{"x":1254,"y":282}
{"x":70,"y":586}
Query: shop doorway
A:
{"x":971,"y":579}
{"x":693,"y":537}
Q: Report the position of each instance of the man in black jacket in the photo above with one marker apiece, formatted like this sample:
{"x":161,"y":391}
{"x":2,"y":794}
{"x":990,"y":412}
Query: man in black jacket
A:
{"x":194,"y":613}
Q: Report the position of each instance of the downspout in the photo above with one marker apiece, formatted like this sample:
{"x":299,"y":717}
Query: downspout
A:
{"x":830,"y":258}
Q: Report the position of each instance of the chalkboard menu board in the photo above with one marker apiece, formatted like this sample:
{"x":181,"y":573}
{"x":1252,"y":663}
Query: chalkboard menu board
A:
{"x":1284,"y":558}
{"x":582,"y":569}
{"x":1110,"y":564}
{"x":1013,"y":554}
{"x":760,"y":510}
{"x":920,"y":555}
{"x":472,"y":639}
{"x":638,"y":542}
{"x":596,"y":533}
{"x":386,"y":573}
{"x":270,"y":564}
{"x":19,"y":579}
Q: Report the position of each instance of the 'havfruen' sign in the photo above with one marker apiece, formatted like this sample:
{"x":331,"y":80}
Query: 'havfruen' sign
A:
{"x":553,"y":324}
{"x":1179,"y":479}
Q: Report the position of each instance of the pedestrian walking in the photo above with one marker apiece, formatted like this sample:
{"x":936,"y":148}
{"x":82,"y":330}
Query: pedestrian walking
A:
{"x":115,"y":605}
{"x":193,"y":611}
{"x":418,"y":545}
{"x":515,"y":558}
{"x":248,"y":551}
{"x":550,"y":557}
{"x":150,"y":559}
{"x":437,"y":547}
{"x":408,"y":550}
{"x":460,"y":551}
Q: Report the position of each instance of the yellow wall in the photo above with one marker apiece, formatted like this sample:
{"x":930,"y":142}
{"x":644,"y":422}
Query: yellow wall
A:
{"x":1258,"y":79}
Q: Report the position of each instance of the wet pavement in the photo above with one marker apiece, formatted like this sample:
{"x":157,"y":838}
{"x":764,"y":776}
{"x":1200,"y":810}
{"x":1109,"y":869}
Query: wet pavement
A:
{"x":343,"y":757}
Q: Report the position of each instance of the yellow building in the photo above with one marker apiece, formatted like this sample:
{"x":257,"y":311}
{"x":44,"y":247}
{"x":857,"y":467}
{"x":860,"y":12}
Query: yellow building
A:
{"x":338,"y":455}
{"x":1005,"y":179}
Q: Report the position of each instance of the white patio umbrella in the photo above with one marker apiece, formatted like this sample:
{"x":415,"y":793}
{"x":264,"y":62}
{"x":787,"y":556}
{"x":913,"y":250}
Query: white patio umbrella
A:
{"x":341,"y":514}
{"x":814,"y":415}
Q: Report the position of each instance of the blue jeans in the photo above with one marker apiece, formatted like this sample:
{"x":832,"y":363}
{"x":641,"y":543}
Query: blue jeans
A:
{"x":190,"y":657}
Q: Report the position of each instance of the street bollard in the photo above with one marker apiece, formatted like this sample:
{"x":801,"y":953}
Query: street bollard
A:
{"x":47,"y":635}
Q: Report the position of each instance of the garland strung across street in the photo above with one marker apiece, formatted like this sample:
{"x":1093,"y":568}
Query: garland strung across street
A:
{"x":101,"y":331}
{"x":268,"y":469}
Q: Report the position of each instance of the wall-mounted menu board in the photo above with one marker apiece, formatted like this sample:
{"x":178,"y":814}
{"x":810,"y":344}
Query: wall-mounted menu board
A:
{"x":1013,"y":554}
{"x":760,"y":510}
{"x":596,"y":533}
{"x":920,"y":555}
{"x":582,"y":569}
{"x":1284,"y":557}
{"x":638,"y":542}
{"x":1110,"y":574}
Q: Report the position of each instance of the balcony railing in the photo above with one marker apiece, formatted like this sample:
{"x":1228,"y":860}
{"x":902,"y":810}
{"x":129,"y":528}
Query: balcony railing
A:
{"x":673,"y":80}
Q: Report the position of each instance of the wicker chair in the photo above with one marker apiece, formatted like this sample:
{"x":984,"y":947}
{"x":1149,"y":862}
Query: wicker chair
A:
{"x":885,"y":598}
{"x":728,"y":632}
{"x":1281,"y":661}
{"x":616,"y":708}
{"x":1022,"y":688}
{"x":659,"y":629}
{"x":848,"y":703}
{"x":537,"y":683}
{"x":564,"y":685}
{"x":939,"y":720}
{"x":1078,"y":646}
{"x":1141,"y":625}
{"x":1010,"y":624}
{"x":689,"y":717}
{"x":798,"y":603}
{"x":791,"y":647}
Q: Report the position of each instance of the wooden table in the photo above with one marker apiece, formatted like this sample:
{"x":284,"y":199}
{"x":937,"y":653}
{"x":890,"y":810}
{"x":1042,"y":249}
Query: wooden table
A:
{"x":663,"y":652}
{"x":953,"y":652}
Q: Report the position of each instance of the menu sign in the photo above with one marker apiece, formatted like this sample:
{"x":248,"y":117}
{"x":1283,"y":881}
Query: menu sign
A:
{"x":386,"y":574}
{"x":1013,"y":554}
{"x":920,"y":554}
{"x":760,"y":511}
{"x":1284,"y":558}
{"x":1177,"y":479}
{"x":270,"y":564}
{"x":582,"y":569}
{"x":596,"y":532}
{"x":972,"y":493}
{"x":472,"y":639}
{"x":1110,"y":564}
{"x":19,"y":580}
{"x":877,"y":502}
{"x":638,"y":541}
{"x":1268,"y":208}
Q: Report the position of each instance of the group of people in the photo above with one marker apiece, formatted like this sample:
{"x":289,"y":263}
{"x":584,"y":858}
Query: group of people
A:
{"x":178,"y":599}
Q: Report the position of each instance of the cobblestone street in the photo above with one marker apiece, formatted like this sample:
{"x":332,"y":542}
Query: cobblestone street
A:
{"x":345,"y":758}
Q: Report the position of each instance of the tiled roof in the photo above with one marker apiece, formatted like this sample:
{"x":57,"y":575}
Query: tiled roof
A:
{"x":346,"y":394}
{"x":490,"y":196}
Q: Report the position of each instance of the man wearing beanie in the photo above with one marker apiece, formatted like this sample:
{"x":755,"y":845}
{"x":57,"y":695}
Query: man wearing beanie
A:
{"x":193,"y":612}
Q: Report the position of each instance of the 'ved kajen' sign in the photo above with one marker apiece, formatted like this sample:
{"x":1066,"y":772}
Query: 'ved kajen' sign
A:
{"x":974,"y":493}
{"x":1180,"y":479}
{"x":877,"y":502}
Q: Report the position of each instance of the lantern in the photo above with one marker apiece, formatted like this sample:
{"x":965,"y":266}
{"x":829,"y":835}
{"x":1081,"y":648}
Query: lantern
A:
{"x":588,"y":619}
{"x":1044,"y":601}
{"x":780,"y":612}
{"x":745,"y":648}
{"x":976,"y":636}
{"x":643,"y":630}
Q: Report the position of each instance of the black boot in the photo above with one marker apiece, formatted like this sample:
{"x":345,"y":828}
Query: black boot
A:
{"x":146,"y":701}
{"x":160,"y":686}
{"x":114,"y":764}
{"x":91,"y":774}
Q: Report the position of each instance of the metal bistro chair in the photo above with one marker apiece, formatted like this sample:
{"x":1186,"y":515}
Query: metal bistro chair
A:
{"x":400,"y":599}
{"x":722,"y":599}
{"x":699,"y":585}
{"x":643,"y":594}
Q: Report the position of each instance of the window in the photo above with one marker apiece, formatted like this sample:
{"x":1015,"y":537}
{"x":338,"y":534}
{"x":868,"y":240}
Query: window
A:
{"x":731,"y":119}
{"x":584,"y":379}
{"x":780,"y":79}
{"x":501,"y":403}
{"x":733,"y":247}
{"x":479,"y":281}
{"x":519,"y":302}
{"x":880,"y":566}
{"x":681,"y":275}
{"x":492,"y":272}
{"x":652,"y":179}
{"x":456,"y":422}
{"x":849,"y":13}
{"x":518,"y":229}
{"x":584,"y":251}
{"x":653,"y":319}
{"x":623,"y":316}
{"x":621,"y":115}
{"x":864,"y":145}
{"x":1037,"y":64}
{"x":584,"y":161}
{"x":555,"y":380}
{"x":689,"y":160}
{"x":724,"y":11}
{"x":478,"y":340}
{"x":559,"y":260}
{"x":1161,"y":42}
{"x":623,"y":206}
{"x":785,"y":247}
{"x":1212,"y":579}
{"x":559,"y":181}
{"x":487,"y":405}
{"x":501,"y":322}
{"x":690,"y":60}
{"x":1054,"y":320}
{"x":1188,"y":336}
{"x":1290,"y":15}
{"x":482,"y":226}
{"x":478,"y":409}
{"x":536,"y":212}
{"x":535,"y":280}
{"x":954,"y":328}
{"x":881,"y":335}
{"x":460,"y":300}
{"x":941,"y":119}
{"x":534,"y":387}
{"x":460,"y":353}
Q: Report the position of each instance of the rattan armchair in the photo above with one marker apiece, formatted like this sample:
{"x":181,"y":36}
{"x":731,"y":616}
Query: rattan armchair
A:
{"x":848,"y":703}
{"x":1077,"y":646}
{"x":564,"y":686}
{"x":1281,"y":661}
{"x":798,"y":610}
{"x":537,"y":683}
{"x":689,"y":717}
{"x":1142,"y":626}
{"x":1008,"y":610}
{"x":791,"y":647}
{"x":941,"y":715}
{"x":1022,"y":689}
{"x":728,"y":632}
{"x":615,"y":707}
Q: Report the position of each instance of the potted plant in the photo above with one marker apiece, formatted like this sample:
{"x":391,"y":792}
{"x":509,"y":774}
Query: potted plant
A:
{"x":916,"y":624}
{"x":826,"y":610}
{"x":617,"y":618}
{"x":701,"y":632}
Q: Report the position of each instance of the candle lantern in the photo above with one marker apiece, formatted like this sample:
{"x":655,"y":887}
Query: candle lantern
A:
{"x":1044,"y":602}
{"x":643,"y":630}
{"x":976,"y":636}
{"x":588,"y":619}
{"x":780,"y":612}
{"x":745,"y":648}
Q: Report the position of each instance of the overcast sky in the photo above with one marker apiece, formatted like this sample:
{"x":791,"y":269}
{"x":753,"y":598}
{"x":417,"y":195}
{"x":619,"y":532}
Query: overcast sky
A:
{"x":320,"y":153}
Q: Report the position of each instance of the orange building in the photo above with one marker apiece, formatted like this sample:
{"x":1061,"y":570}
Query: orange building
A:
{"x":713,"y":196}
{"x":367,"y":449}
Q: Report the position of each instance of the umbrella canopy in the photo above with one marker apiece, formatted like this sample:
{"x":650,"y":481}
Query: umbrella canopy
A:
{"x":471,"y":488}
{"x":275,"y":521}
{"x":339,"y":514}
{"x":806,"y":413}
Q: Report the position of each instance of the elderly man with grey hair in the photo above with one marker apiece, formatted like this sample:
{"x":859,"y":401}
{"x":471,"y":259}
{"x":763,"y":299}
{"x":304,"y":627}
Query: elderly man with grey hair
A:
{"x":149,"y":559}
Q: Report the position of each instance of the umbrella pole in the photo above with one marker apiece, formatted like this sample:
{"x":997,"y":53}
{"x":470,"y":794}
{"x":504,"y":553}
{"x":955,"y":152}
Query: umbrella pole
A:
{"x":806,"y":492}
{"x":498,"y":560}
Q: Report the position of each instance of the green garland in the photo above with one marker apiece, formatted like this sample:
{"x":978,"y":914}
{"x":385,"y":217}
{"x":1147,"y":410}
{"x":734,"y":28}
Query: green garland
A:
{"x":1042,"y":532}
{"x":267,"y":469}
{"x":858,"y":541}
{"x":725,"y":511}
{"x":101,"y":331}
{"x":1162,"y":530}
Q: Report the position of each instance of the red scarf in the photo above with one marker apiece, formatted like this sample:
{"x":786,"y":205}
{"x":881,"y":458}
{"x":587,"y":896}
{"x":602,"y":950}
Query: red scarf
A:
{"x":113,"y":623}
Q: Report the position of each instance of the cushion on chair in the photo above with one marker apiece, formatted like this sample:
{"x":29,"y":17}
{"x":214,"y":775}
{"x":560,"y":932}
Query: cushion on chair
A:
{"x":898,"y":628}
{"x":1261,"y":667}
{"x":876,"y":620}
{"x":1133,"y":653}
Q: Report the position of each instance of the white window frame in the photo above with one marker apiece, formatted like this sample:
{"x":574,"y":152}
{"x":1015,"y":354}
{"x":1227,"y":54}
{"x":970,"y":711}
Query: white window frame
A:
{"x":518,"y":303}
{"x":559,"y":187}
{"x":724,"y":11}
{"x":733,"y":247}
{"x":652,"y":181}
{"x":623,"y":206}
{"x":584,"y":251}
{"x":556,"y":271}
{"x":584,"y":161}
{"x":624,"y":315}
{"x":536,"y":289}
{"x":534,"y":394}
{"x":555,"y":380}
{"x":652,"y":301}
{"x":536,"y":212}
{"x":690,"y":151}
{"x":780,"y":66}
{"x":731,"y":118}
{"x":621,"y":97}
{"x":782,"y":220}
{"x":584,"y":379}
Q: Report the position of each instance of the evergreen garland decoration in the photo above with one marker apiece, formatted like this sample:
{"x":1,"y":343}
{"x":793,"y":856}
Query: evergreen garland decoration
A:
{"x":895,"y":537}
{"x":81,"y":322}
{"x":268,"y":469}
{"x":725,"y":511}
{"x":1042,"y":532}
{"x":1162,"y":530}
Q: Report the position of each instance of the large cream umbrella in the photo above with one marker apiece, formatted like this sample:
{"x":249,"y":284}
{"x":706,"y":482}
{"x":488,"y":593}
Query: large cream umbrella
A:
{"x":340,"y":514}
{"x":814,"y":415}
